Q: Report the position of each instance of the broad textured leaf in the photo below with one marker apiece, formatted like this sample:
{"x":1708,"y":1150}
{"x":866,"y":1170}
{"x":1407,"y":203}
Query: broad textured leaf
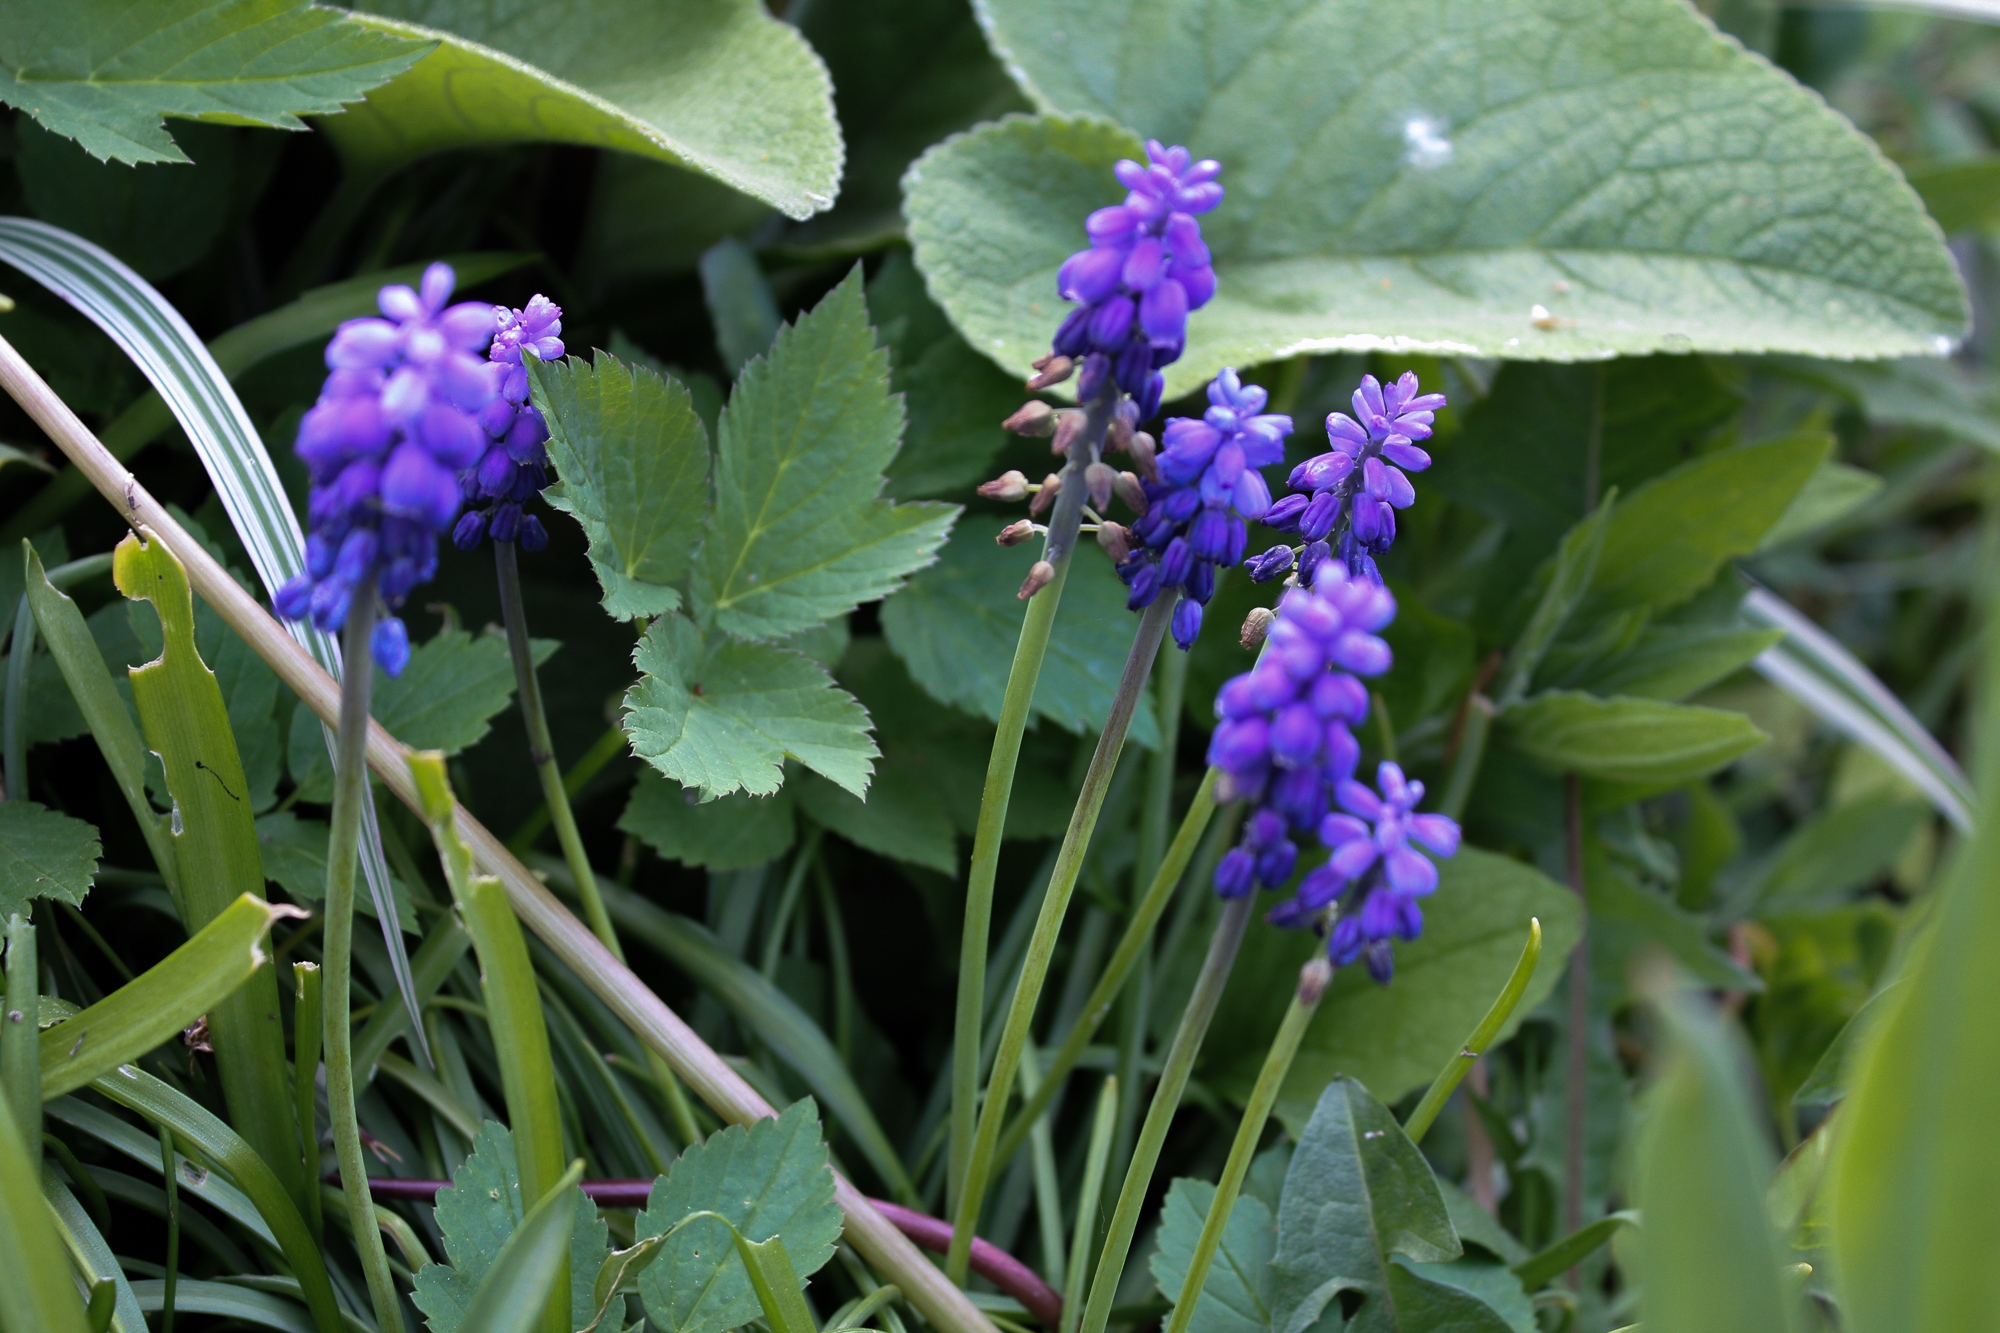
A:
{"x":477,"y":1216}
{"x":1712,"y":1264}
{"x":1236,"y":1297}
{"x":723,"y":716}
{"x":1481,"y":1280}
{"x":769,"y":1180}
{"x":717,"y":86}
{"x":294,"y":855}
{"x":633,"y":459}
{"x":1645,"y":741}
{"x":955,"y":628}
{"x":1422,"y":178}
{"x":799,"y":533}
{"x":43,"y":855}
{"x":105,"y":74}
{"x":731,"y":833}
{"x":1395,"y":1038}
{"x":903,"y":818}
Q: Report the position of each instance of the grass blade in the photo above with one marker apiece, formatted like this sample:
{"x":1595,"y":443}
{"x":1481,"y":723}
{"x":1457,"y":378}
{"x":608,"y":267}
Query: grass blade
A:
{"x":90,"y":1254}
{"x":34,"y":1272}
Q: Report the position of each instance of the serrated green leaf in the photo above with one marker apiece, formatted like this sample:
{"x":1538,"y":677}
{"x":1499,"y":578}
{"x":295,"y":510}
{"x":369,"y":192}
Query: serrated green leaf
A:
{"x":717,"y":86}
{"x":478,"y":1215}
{"x":1641,"y":741}
{"x":633,"y":459}
{"x":799,"y":534}
{"x":1415,"y":180}
{"x":1236,"y":1297}
{"x":723,"y":717}
{"x":903,"y":818}
{"x":105,"y":74}
{"x":43,"y":855}
{"x":956,"y":624}
{"x":730,"y":833}
{"x":769,"y":1180}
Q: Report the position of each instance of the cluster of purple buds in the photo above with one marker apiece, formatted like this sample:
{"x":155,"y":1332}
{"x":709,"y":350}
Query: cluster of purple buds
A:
{"x":396,"y":423}
{"x":1146,"y":268}
{"x":514,"y":467}
{"x":1192,"y":516}
{"x":1375,"y":869}
{"x":1352,"y":492}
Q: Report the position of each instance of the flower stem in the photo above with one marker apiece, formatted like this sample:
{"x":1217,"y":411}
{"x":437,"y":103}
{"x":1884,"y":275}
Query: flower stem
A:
{"x":1207,"y":993}
{"x":609,"y":746}
{"x":350,"y":789}
{"x":1482,"y":1036}
{"x":1042,"y":943}
{"x":1277,"y":1063}
{"x":1015,"y":706}
{"x":555,"y":798}
{"x":1096,"y":1156}
{"x":1138,"y":931}
{"x":1579,"y":1020}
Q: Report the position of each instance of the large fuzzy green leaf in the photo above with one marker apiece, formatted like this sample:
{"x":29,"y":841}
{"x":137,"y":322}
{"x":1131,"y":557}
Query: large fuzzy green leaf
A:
{"x":799,"y":533}
{"x":633,"y":459}
{"x":955,"y":627}
{"x":718,"y":86}
{"x":1236,"y":1298}
{"x":478,"y":1215}
{"x":105,"y":73}
{"x":1646,"y":741}
{"x":723,"y":716}
{"x":769,"y":1180}
{"x":1531,"y":179}
{"x":731,"y":833}
{"x":43,"y":855}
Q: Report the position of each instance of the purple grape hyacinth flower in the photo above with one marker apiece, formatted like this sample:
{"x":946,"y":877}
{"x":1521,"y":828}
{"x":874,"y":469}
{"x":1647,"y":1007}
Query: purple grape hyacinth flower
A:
{"x":397,"y":421}
{"x":1208,"y":485}
{"x":1146,"y":268}
{"x":1382,"y":874}
{"x":1362,"y":480}
{"x":514,"y":467}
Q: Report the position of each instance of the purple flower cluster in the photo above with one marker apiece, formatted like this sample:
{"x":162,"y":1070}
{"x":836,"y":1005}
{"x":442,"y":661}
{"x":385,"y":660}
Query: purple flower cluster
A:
{"x":1146,"y":268}
{"x":1362,"y":479}
{"x":396,"y":423}
{"x":514,"y":468}
{"x":1375,"y":867}
{"x":1208,"y":485}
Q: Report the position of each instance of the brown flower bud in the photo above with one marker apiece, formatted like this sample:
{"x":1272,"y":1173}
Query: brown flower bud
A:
{"x":1118,"y":436}
{"x":1040,"y":575}
{"x":1144,"y":451}
{"x":1033,"y":417}
{"x":1010,"y":485}
{"x":1045,"y":496}
{"x":1132,"y":491}
{"x":1116,"y":539}
{"x":1256,"y":625}
{"x":1313,"y":978}
{"x":1069,"y":424}
{"x":1098,"y":479}
{"x":1016,"y":533}
{"x":1051,"y":369}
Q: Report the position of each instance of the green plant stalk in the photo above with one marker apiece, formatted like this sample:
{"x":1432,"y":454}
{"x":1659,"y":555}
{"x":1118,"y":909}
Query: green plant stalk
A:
{"x":602,"y":751}
{"x":350,"y":789}
{"x":13,"y":736}
{"x":1048,"y":1191}
{"x":173,"y":1265}
{"x":1249,"y":1130}
{"x":1016,"y":705}
{"x":1097,"y":1155}
{"x":1579,"y":1018}
{"x":1482,"y":1036}
{"x":1174,"y":1072}
{"x":1138,"y":931}
{"x":20,"y":1039}
{"x":1471,"y":752}
{"x":308,"y":1025}
{"x":1048,"y":925}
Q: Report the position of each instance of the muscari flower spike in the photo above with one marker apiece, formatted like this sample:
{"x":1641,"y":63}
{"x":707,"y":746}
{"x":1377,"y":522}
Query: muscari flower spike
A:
{"x":1146,"y":268}
{"x":397,"y":421}
{"x":514,"y":467}
{"x":1376,"y":869}
{"x":1362,"y":480}
{"x":1208,"y":485}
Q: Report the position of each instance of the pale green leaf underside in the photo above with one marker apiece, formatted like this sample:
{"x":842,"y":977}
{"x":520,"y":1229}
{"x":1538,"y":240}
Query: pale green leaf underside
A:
{"x":724,"y":717}
{"x":43,"y":855}
{"x":1412,"y":177}
{"x":104,"y":74}
{"x":717,"y":86}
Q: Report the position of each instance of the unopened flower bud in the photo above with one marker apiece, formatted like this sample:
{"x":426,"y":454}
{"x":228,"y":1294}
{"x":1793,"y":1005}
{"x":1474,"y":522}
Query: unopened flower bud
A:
{"x":1116,"y":539}
{"x":1118,"y":438}
{"x":1256,"y":625}
{"x":1046,"y":496}
{"x":1033,"y":417}
{"x":1132,"y":491}
{"x":1010,"y":485}
{"x":1069,"y":424}
{"x":1016,"y":533}
{"x":1098,"y":479}
{"x":1051,"y":369}
{"x":1144,"y":450}
{"x":1313,"y":978}
{"x":1040,"y":575}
